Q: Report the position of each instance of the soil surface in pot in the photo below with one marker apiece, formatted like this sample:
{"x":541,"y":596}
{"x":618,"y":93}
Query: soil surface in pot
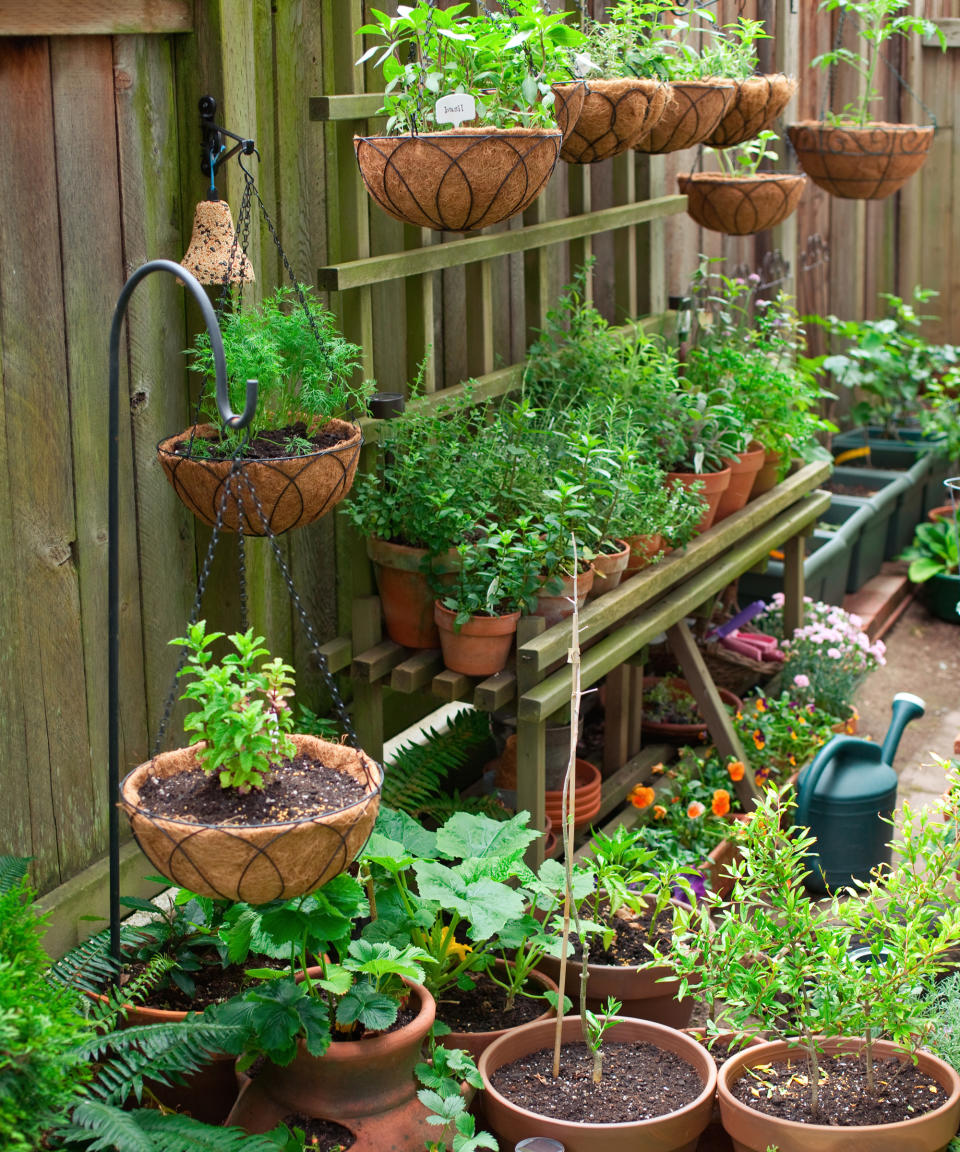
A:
{"x":859,"y":490}
{"x":903,"y":1092}
{"x":640,"y":1081}
{"x":294,"y":789}
{"x":271,"y":444}
{"x":483,"y":1008}
{"x":629,"y":946}
{"x":212,"y":984}
{"x":322,"y":1135}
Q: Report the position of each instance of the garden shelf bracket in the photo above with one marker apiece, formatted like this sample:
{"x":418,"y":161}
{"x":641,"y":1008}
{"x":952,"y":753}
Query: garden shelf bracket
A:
{"x":213,"y":150}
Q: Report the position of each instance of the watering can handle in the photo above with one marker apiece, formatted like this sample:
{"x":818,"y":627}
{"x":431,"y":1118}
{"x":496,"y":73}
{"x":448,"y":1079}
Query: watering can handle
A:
{"x":809,"y":779}
{"x":906,"y":707}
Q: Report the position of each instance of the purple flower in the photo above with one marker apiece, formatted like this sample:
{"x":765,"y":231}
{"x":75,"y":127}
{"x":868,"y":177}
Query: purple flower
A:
{"x":698,"y":886}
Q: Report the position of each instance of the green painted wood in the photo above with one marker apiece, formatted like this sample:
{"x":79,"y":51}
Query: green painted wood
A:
{"x":496,"y":692}
{"x":338,"y":652}
{"x":378,"y":269}
{"x":377,"y":662}
{"x":368,"y":697}
{"x":543,"y":700}
{"x":417,"y":671}
{"x":531,"y":782}
{"x":794,"y":554}
{"x":352,"y":106}
{"x":451,"y":686}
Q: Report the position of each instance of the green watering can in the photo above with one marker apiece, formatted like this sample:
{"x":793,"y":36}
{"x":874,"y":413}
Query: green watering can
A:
{"x":845,"y":795}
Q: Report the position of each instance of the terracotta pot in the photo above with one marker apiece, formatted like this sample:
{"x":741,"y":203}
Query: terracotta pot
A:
{"x":367,"y":1085}
{"x":588,"y":795}
{"x":556,"y":606}
{"x":854,"y":163}
{"x":697,"y":108}
{"x":643,"y":549}
{"x":255,"y":863}
{"x":757,"y":102}
{"x":568,"y":105}
{"x":680,"y":734}
{"x":741,"y":205}
{"x":714,"y":1138}
{"x":714,"y":484}
{"x":768,"y":475}
{"x":550,"y":838}
{"x":608,"y":570}
{"x":477,"y":1042}
{"x":291,"y":490}
{"x":460,"y":180}
{"x":405,"y":594}
{"x":942,"y":512}
{"x":753,"y":1132}
{"x":743,"y":473}
{"x":482,"y":645}
{"x":675,"y":1132}
{"x":616,"y":113}
{"x":556,"y":755}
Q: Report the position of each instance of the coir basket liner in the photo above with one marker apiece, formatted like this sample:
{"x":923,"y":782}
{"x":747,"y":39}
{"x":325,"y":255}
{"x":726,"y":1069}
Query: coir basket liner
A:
{"x":291,"y":490}
{"x":757,"y":102}
{"x":255,"y":863}
{"x":867,"y":163}
{"x":695,"y":111}
{"x":741,"y":205}
{"x":461,"y":180}
{"x":616,"y":114}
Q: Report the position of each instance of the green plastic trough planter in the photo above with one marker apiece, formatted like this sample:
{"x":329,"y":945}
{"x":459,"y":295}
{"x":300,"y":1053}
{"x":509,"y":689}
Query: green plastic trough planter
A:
{"x":911,"y":446}
{"x":866,"y":530}
{"x":825,"y":571}
{"x":942,"y":594}
{"x":895,"y":498}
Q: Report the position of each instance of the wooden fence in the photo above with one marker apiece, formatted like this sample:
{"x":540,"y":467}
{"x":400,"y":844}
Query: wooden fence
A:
{"x":99,"y":136}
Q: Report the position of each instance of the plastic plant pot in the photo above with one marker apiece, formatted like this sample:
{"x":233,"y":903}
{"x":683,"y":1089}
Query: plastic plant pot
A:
{"x":942,"y":594}
{"x":911,"y":482}
{"x":867,"y":533}
{"x":825,"y":571}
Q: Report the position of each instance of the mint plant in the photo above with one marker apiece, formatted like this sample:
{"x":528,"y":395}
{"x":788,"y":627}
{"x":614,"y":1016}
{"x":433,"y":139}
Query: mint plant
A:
{"x":244,"y":718}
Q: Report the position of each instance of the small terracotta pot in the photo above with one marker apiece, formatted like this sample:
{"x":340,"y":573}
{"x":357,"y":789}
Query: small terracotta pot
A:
{"x":481,"y":647}
{"x":460,"y":180}
{"x":697,"y":108}
{"x":743,"y":473}
{"x":643,"y":549}
{"x":741,"y":205}
{"x":608,"y":570}
{"x":714,"y":484}
{"x":587,"y":798}
{"x":680,"y":734}
{"x":757,"y":102}
{"x":556,"y":606}
{"x":753,"y":1132}
{"x":568,"y":105}
{"x":255,"y":863}
{"x":768,"y":475}
{"x":868,"y":163}
{"x":616,"y":113}
{"x":476,"y":1043}
{"x":675,"y":1132}
{"x":942,"y":512}
{"x":405,"y":594}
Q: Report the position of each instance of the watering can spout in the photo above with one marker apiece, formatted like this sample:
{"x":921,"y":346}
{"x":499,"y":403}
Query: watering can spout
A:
{"x":906,"y":707}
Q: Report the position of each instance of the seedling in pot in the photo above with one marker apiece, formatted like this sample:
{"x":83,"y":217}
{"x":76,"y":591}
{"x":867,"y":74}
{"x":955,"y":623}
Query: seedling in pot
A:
{"x":597,"y":1025}
{"x":745,"y":159}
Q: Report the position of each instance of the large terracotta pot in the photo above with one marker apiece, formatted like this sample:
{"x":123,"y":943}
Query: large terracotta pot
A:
{"x":643,"y":549}
{"x":616,"y":113}
{"x":757,"y":102}
{"x":743,"y":473}
{"x":556,"y":606}
{"x":697,"y":108}
{"x":941,"y":512}
{"x":588,"y":797}
{"x":291,"y":490}
{"x":767,"y":477}
{"x":753,"y":1132}
{"x":868,"y":163}
{"x":675,"y":1132}
{"x":741,"y":205}
{"x":367,"y":1085}
{"x":476,"y":1043}
{"x":405,"y":594}
{"x":482,"y":645}
{"x":714,"y":484}
{"x":460,"y":180}
{"x":608,"y":570}
{"x":680,"y":734}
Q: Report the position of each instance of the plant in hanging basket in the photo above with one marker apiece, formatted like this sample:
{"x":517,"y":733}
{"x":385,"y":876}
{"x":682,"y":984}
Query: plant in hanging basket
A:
{"x":848,"y":154}
{"x":298,"y":458}
{"x":757,"y":102}
{"x":250,"y":812}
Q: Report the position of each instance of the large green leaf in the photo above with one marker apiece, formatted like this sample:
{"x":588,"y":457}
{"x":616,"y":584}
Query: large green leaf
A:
{"x":416,"y":840}
{"x":486,"y":904}
{"x":471,"y":834}
{"x":924,"y":569}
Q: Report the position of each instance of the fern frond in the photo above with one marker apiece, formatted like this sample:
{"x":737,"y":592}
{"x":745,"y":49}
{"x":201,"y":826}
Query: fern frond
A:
{"x":89,"y":967}
{"x":95,"y":1126}
{"x":99,"y":1127}
{"x":417,"y":777}
{"x":12,"y":871}
{"x":173,"y":1131}
{"x":111,"y":1009}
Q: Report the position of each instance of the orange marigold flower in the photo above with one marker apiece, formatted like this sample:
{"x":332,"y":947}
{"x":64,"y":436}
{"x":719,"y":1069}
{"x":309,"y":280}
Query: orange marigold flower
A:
{"x":721,"y":802}
{"x":659,"y":811}
{"x":675,"y":800}
{"x":695,"y":810}
{"x":641,"y":797}
{"x":736,"y":769}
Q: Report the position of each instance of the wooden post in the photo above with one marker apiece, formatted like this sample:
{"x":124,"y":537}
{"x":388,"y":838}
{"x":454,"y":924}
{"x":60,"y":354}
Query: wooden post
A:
{"x":531,"y":748}
{"x":616,"y":723}
{"x":368,"y":697}
{"x":794,"y":554}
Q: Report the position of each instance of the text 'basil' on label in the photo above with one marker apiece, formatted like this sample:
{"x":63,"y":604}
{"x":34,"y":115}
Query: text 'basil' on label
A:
{"x":455,"y":109}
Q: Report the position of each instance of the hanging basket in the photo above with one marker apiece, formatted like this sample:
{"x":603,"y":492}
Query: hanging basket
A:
{"x":616,"y":113}
{"x":255,"y":863}
{"x":291,"y":490}
{"x":461,"y":180}
{"x":568,"y":105}
{"x":867,"y":163}
{"x":741,"y":205}
{"x":757,"y":102}
{"x":697,"y":108}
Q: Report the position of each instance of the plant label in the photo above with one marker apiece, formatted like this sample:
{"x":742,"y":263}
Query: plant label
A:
{"x":455,"y":109}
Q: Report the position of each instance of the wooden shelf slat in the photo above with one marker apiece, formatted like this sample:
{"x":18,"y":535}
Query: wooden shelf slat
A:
{"x":417,"y":671}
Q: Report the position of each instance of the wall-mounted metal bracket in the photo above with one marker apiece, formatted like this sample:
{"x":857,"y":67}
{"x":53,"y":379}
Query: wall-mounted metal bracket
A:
{"x":213,"y":150}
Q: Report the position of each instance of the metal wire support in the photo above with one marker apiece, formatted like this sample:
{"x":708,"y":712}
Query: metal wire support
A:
{"x":113,"y":525}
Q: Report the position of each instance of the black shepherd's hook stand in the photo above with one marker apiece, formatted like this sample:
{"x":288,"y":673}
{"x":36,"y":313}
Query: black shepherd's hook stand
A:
{"x":113,"y":523}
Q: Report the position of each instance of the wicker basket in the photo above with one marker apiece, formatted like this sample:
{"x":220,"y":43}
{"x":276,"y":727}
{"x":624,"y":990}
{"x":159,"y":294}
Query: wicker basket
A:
{"x":461,"y":180}
{"x":756,"y":103}
{"x":291,"y":490}
{"x":616,"y":114}
{"x":741,"y":205}
{"x":255,"y":863}
{"x":868,"y":163}
{"x":695,"y":111}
